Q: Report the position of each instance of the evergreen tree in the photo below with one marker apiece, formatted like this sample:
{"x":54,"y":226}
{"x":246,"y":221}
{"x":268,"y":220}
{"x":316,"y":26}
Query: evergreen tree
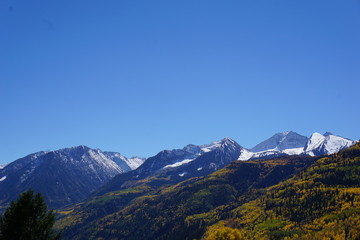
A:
{"x":28,"y":219}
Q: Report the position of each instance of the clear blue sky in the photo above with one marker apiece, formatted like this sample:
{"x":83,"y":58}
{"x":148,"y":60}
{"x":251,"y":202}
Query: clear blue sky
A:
{"x":141,"y":76}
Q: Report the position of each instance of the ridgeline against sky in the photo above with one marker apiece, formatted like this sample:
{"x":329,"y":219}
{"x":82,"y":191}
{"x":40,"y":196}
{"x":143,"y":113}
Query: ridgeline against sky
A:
{"x":141,"y":76}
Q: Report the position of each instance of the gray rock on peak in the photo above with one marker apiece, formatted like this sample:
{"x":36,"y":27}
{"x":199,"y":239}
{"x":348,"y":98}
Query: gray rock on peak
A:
{"x":281,"y":141}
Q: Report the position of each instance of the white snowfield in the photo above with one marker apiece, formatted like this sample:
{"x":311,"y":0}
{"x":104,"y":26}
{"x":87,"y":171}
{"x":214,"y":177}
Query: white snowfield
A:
{"x":293,"y":151}
{"x":245,"y":154}
{"x":177,"y":164}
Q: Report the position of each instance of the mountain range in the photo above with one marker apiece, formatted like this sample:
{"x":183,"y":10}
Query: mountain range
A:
{"x":288,"y":197}
{"x":69,"y":175}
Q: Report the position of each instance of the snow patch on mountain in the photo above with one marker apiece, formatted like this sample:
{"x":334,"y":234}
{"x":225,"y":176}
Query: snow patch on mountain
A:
{"x":3,"y":178}
{"x":177,"y":164}
{"x":245,"y":154}
{"x":294,"y":151}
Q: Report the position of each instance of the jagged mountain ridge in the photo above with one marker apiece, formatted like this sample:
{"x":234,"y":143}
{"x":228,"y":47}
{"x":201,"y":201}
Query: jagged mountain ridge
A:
{"x":64,"y":176}
{"x":178,"y":164}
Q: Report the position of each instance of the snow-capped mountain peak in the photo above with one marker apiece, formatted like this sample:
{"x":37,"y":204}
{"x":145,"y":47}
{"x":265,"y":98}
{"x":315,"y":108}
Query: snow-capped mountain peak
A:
{"x":72,"y":173}
{"x":315,"y":140}
{"x":217,"y":144}
{"x":328,"y":143}
{"x":228,"y":144}
{"x":227,"y":141}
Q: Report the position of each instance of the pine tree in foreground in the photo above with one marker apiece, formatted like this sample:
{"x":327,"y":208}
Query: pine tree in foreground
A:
{"x":28,"y":219}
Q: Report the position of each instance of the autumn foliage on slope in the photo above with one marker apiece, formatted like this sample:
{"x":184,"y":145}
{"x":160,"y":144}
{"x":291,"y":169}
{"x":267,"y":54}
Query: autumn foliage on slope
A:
{"x":322,"y":202}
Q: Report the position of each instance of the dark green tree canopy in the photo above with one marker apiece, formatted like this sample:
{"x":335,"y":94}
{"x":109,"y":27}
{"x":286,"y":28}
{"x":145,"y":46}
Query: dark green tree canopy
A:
{"x":28,"y":219}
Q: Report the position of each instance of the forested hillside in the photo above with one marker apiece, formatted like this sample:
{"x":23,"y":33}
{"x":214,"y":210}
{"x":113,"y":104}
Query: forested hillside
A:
{"x":322,"y":202}
{"x":149,"y":212}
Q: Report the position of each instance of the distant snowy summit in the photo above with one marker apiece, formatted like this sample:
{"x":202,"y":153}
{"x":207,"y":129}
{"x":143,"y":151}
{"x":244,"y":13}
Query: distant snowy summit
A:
{"x":281,"y":141}
{"x":328,"y":143}
{"x":292,"y":143}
